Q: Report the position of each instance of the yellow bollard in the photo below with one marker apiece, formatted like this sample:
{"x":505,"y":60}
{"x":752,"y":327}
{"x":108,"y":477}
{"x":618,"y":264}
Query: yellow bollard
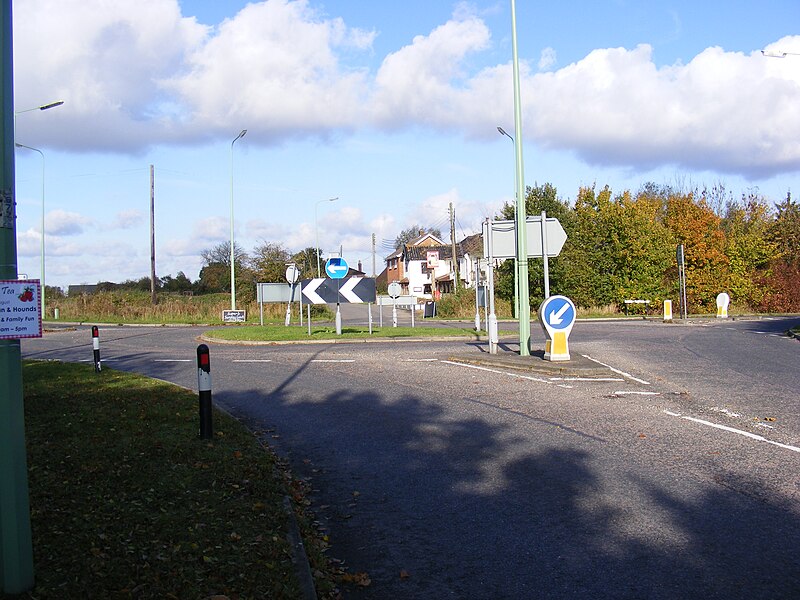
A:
{"x":667,"y":311}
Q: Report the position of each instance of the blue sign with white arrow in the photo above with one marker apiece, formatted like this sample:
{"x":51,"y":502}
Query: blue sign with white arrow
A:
{"x":337,"y":268}
{"x":558,"y":313}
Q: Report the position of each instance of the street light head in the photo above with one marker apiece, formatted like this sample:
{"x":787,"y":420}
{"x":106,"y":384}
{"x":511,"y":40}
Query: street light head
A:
{"x":244,"y":131}
{"x":505,"y":133}
{"x":51,"y":105}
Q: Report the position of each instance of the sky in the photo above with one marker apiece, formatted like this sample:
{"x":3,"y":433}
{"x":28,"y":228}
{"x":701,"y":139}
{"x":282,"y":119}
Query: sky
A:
{"x":392,"y":107}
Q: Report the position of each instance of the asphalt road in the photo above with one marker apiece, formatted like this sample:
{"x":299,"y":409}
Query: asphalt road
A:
{"x":677,"y":475}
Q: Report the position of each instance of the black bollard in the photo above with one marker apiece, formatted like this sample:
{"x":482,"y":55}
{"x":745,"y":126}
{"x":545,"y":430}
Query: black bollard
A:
{"x":96,"y":347}
{"x":204,"y":387}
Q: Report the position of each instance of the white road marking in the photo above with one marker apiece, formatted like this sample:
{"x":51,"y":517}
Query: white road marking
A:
{"x":747,"y":434}
{"x":625,"y":393}
{"x":333,"y":360}
{"x":586,"y":379}
{"x":252,"y":360}
{"x":623,"y":373}
{"x":420,"y":360}
{"x":514,"y":375}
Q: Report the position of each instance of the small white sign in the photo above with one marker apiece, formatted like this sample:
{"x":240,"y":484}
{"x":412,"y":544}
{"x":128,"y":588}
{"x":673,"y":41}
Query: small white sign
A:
{"x":234,"y":316}
{"x":20,"y":309}
{"x":433,"y":259}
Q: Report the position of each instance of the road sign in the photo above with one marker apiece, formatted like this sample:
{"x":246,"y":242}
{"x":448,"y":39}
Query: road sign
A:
{"x":557,"y":316}
{"x":504,"y":239}
{"x":234,"y":316}
{"x":336,"y":268}
{"x":353,"y":290}
{"x":395,"y":289}
{"x":293,"y":273}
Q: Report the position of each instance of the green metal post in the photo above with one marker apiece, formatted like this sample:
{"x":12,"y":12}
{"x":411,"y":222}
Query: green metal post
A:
{"x":16,"y":549}
{"x":522,"y":245}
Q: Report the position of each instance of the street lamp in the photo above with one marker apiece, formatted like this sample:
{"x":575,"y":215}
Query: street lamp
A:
{"x":41,"y":263}
{"x":522,"y":244}
{"x":41,"y":107}
{"x":516,"y":278}
{"x":233,"y":269}
{"x":316,"y":227}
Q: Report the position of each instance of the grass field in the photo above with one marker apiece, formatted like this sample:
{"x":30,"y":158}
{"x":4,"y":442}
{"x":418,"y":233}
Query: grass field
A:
{"x":280,"y":333}
{"x":128,"y":502}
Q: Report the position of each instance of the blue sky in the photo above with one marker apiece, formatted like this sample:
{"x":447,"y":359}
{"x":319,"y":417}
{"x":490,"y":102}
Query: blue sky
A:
{"x":390,"y":106}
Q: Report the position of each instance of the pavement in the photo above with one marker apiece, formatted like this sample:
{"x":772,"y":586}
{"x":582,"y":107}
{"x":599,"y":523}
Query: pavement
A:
{"x":577,"y":366}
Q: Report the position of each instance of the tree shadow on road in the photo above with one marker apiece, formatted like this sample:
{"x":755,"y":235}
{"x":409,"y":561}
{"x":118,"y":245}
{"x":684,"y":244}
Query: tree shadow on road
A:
{"x":472,"y":503}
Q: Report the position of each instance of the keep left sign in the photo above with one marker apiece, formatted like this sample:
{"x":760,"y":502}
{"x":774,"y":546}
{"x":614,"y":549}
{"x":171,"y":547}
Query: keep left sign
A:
{"x":20,"y":309}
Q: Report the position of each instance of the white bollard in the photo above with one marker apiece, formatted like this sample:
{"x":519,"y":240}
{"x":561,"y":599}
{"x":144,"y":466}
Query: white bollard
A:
{"x":667,"y":311}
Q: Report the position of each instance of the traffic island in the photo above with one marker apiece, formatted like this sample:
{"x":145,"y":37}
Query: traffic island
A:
{"x":577,"y":366}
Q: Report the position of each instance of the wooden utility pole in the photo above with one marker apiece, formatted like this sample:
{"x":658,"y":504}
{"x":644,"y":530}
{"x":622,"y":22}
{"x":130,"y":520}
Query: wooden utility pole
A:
{"x":153,"y":297}
{"x":453,"y":242}
{"x":374,"y":273}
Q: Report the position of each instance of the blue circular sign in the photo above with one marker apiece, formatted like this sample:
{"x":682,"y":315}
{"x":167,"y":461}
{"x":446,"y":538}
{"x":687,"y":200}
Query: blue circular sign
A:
{"x":336,"y":268}
{"x":558,"y":312}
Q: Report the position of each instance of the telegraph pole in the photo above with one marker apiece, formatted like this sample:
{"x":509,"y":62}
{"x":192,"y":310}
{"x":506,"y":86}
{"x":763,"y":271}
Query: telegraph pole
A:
{"x":16,"y":547}
{"x":453,"y":243}
{"x":153,"y":297}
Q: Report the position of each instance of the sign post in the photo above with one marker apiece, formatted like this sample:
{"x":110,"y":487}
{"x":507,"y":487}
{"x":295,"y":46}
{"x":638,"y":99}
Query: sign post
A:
{"x":557,"y":316}
{"x":395,"y":289}
{"x":337,"y":268}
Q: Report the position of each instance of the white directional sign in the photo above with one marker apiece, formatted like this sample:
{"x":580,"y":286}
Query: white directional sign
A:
{"x":504,"y":239}
{"x":557,"y":316}
{"x":336,"y":268}
{"x":353,"y":290}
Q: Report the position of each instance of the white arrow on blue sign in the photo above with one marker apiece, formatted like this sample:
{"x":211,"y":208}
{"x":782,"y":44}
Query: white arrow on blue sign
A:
{"x":558,"y":313}
{"x":336,"y":268}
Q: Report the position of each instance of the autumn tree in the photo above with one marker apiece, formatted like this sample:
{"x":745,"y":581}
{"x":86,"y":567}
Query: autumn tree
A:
{"x":748,"y":246}
{"x":695,"y":225}
{"x":268,"y":262}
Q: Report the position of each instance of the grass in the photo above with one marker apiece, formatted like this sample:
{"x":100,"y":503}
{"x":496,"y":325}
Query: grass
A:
{"x":133,"y":306}
{"x":280,"y":333}
{"x":128,"y":502}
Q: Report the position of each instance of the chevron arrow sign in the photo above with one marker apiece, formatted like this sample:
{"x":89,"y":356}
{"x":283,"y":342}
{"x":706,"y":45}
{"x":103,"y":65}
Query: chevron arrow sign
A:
{"x":353,"y":290}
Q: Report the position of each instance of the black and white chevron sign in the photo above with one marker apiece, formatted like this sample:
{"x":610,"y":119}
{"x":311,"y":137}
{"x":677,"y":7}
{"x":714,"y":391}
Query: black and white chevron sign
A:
{"x":353,"y":290}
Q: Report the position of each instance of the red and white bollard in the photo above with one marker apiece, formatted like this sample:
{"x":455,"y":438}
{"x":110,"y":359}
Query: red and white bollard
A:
{"x":96,"y":348}
{"x":204,"y":387}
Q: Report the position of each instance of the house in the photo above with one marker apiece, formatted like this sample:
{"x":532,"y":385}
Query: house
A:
{"x":424,"y":267}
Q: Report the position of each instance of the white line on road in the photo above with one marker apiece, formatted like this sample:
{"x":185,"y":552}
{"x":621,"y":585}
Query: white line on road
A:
{"x":515,"y":375}
{"x":623,"y":373}
{"x":752,"y":436}
{"x":420,"y":360}
{"x":622,"y":393}
{"x":586,"y":379}
{"x":333,"y":360}
{"x":252,"y":360}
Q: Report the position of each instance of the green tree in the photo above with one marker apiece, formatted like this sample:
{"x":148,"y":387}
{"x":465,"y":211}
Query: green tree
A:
{"x":413,"y":233}
{"x":749,"y":249}
{"x":268,"y":262}
{"x":215,"y":275}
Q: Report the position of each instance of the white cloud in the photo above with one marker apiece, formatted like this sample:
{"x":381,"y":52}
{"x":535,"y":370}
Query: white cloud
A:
{"x":127,"y":219}
{"x":135,"y":73}
{"x":547,"y":59}
{"x":63,"y":223}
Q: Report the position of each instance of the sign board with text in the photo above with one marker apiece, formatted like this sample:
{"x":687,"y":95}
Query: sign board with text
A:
{"x":234,"y":316}
{"x":20,"y":309}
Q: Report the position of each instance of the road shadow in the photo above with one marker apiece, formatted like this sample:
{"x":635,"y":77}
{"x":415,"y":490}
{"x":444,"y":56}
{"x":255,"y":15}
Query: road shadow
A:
{"x":467,"y":503}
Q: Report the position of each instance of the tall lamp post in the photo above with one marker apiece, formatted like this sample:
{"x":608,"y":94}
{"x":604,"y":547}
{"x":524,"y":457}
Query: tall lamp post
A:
{"x":316,"y":227}
{"x":522,"y":246}
{"x":47,"y":106}
{"x":233,"y":268}
{"x":516,"y":279}
{"x":41,"y":252}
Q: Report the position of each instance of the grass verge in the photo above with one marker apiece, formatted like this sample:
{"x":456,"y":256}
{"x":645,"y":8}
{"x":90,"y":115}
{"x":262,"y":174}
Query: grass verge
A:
{"x":280,"y":333}
{"x":128,"y":502}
